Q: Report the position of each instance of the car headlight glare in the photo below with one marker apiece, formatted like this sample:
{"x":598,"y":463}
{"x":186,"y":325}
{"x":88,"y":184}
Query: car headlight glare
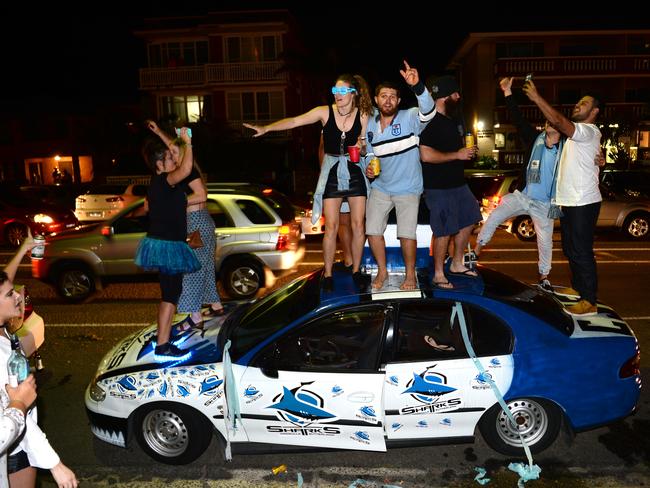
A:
{"x":96,"y":392}
{"x":43,"y":219}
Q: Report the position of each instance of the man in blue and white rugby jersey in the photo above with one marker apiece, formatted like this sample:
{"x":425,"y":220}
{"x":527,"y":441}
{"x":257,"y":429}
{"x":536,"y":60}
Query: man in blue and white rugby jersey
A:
{"x":393,"y":136}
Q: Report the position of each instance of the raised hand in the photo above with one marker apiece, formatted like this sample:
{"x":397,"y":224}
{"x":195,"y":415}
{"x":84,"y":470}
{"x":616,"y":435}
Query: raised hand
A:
{"x":409,"y":74}
{"x":506,"y":85}
{"x":260,"y":130}
{"x":152,"y":126}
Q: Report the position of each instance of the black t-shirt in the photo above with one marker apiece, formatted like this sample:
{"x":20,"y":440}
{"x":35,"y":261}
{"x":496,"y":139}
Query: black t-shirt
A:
{"x":332,"y":134}
{"x":442,"y":134}
{"x":194,"y":174}
{"x":167,"y":209}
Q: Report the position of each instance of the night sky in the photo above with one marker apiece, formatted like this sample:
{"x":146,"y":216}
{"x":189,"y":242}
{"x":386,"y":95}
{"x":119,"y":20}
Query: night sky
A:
{"x":94,"y":59}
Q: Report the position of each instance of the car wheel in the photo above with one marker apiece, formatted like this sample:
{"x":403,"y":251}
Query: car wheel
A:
{"x":172,"y":433}
{"x":75,"y":283}
{"x":242,"y":279}
{"x":537,"y":420}
{"x":524,"y":228}
{"x":637,"y":226}
{"x":15,"y":234}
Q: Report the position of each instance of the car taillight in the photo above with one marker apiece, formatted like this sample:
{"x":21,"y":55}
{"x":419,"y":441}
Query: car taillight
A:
{"x":283,"y":238}
{"x":114,"y":199}
{"x":631,"y":367}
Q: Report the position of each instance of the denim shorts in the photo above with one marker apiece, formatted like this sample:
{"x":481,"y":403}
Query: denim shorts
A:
{"x":451,"y":209}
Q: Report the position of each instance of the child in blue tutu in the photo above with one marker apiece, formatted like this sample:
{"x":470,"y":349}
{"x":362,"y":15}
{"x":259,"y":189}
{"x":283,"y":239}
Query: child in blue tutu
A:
{"x":165,"y":249}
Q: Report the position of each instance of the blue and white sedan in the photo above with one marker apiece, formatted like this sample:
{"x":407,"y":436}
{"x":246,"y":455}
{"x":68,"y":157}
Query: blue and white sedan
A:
{"x":364,"y":371}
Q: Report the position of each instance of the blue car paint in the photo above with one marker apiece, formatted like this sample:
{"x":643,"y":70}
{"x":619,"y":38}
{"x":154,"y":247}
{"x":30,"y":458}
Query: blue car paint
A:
{"x":543,"y":355}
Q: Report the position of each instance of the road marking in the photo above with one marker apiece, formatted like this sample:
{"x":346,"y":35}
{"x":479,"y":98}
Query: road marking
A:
{"x":142,"y":324}
{"x":555,"y":261}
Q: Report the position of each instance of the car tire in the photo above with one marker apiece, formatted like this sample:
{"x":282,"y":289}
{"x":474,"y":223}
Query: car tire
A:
{"x":242,"y":278}
{"x":524,"y":228}
{"x":15,"y":234}
{"x":540,"y":425}
{"x":637,"y":226}
{"x":172,"y":433}
{"x":75,"y":282}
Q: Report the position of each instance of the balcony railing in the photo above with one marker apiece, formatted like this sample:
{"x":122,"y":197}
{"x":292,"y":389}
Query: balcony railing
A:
{"x":572,"y":66}
{"x":613,"y":111}
{"x":211,"y":74}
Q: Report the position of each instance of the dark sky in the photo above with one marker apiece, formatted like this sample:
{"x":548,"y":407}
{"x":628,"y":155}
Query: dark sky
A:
{"x":68,"y":56}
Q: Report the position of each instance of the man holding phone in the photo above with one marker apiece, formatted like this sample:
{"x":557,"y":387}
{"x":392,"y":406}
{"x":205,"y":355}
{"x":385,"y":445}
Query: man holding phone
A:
{"x":577,"y":191}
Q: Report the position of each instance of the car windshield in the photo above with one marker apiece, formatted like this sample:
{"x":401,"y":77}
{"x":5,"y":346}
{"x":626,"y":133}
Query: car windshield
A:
{"x":526,"y":298}
{"x":273,"y":312}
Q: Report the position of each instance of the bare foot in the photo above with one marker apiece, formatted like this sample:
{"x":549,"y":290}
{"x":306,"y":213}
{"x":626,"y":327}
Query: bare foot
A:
{"x":378,"y":282}
{"x":409,"y":283}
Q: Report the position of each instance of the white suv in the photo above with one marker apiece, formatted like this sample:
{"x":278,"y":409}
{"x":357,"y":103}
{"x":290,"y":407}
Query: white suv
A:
{"x":254,"y":244}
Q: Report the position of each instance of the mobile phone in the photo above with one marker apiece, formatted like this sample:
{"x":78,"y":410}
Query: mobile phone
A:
{"x":189,"y":132}
{"x":528,"y":77}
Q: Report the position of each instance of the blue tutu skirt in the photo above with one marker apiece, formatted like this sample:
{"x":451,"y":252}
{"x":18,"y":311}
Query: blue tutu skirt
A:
{"x":166,"y":257}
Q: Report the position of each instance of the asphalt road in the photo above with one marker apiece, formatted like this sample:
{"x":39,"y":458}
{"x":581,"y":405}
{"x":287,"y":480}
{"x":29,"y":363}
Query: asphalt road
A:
{"x":79,"y":335}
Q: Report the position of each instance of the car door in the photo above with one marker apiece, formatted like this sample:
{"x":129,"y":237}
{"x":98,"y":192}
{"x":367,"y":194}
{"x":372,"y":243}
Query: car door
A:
{"x":117,"y":248}
{"x":225,"y":229}
{"x":318,"y":384}
{"x":433,"y":389}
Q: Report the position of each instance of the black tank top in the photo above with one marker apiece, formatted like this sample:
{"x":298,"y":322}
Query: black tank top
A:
{"x":333,"y":138}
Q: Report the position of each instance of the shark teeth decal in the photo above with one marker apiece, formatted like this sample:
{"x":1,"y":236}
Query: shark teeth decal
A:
{"x":115,"y":438}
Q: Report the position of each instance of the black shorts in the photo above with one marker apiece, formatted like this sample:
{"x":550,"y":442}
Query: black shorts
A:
{"x":357,"y":183}
{"x":171,"y":287}
{"x":17,"y":462}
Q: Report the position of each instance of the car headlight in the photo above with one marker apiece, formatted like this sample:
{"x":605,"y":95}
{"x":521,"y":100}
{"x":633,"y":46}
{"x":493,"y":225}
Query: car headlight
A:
{"x":43,"y":219}
{"x":96,"y":392}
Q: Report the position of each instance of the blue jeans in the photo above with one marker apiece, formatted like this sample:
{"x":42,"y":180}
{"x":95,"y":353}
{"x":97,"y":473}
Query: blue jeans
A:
{"x":578,"y":225}
{"x":518,"y":203}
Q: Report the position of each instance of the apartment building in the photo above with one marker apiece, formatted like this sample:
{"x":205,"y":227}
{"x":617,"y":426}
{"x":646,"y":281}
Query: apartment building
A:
{"x":564,"y":65}
{"x":224,"y":69}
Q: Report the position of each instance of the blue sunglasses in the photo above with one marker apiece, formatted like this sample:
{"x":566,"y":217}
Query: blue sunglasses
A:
{"x":343,"y":90}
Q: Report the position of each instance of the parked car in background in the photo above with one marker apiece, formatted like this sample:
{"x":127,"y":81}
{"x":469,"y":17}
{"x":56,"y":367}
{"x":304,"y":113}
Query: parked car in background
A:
{"x":63,"y":195}
{"x":628,"y":212}
{"x":629,"y":180}
{"x":365,"y":372}
{"x":104,"y":201}
{"x":489,"y":187}
{"x":254,"y":244}
{"x":20,"y":210}
{"x":281,"y":203}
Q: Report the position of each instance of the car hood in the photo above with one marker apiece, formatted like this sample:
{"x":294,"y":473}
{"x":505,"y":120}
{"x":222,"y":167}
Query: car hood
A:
{"x":136,"y":352}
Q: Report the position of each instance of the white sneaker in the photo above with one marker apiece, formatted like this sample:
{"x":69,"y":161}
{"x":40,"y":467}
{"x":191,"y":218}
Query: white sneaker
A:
{"x":545,"y":285}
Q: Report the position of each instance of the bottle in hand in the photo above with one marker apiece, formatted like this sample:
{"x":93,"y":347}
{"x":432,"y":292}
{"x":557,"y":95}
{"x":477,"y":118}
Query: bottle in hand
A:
{"x":17,"y":365}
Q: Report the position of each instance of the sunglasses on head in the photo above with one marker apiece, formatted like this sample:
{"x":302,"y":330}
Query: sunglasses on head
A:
{"x":343,"y":90}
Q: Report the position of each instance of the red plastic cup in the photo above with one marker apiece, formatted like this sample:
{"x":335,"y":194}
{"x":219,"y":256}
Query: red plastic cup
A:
{"x":353,"y":151}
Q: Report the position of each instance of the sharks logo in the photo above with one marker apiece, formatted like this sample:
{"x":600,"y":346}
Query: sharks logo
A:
{"x":393,"y":380}
{"x":127,"y":383}
{"x":495,"y":363}
{"x":301,"y":407}
{"x":428,"y":386}
{"x":396,"y":129}
{"x":209,"y":385}
{"x":482,"y":381}
{"x":251,"y":391}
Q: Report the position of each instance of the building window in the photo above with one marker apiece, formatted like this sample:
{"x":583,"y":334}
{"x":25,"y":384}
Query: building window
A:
{"x":187,"y":108}
{"x":520,"y":50}
{"x":256,"y":106}
{"x":174,"y":54}
{"x":254,"y":49}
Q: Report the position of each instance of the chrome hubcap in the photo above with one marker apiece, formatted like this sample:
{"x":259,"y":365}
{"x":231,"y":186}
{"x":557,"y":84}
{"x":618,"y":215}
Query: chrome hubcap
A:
{"x":638,"y":227}
{"x":245,"y":280}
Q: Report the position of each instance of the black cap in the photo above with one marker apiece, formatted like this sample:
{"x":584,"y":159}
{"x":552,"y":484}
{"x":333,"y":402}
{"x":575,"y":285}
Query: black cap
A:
{"x":443,"y":87}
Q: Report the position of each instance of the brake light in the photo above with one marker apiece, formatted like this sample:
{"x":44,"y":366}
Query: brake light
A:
{"x":106,"y":231}
{"x":267,"y":191}
{"x":631,"y":367}
{"x":283,"y":238}
{"x":114,"y":199}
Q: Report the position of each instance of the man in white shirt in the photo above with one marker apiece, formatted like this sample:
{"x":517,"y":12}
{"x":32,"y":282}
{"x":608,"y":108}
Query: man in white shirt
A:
{"x":577,"y":192}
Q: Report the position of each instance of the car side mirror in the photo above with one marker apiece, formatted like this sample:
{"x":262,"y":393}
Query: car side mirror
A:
{"x":107,"y":231}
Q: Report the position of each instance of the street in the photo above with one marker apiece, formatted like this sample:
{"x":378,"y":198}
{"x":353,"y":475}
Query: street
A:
{"x":79,"y":335}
